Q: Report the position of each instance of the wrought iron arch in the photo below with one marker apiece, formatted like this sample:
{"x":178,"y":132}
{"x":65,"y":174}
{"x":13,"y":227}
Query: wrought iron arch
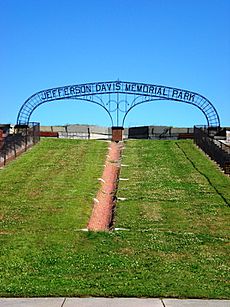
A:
{"x":118,"y":98}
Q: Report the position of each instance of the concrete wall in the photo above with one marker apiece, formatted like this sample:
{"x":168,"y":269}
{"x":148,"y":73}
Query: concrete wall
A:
{"x":168,"y":131}
{"x":79,"y":131}
{"x":138,"y":132}
{"x":99,"y":132}
{"x":228,"y":136}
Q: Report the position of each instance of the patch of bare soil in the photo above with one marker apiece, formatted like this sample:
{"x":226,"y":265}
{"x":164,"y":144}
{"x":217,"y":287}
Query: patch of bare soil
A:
{"x":102,"y":214}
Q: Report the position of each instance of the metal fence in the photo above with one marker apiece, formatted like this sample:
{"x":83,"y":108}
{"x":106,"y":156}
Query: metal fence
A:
{"x":24,"y":137}
{"x":215,"y":149}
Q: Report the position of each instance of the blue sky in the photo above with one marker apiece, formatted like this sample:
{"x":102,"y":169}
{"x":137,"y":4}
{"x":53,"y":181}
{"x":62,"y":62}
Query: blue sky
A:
{"x":178,"y":43}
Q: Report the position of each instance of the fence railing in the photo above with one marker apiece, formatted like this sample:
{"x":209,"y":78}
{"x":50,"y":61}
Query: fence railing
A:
{"x":216,"y":150}
{"x":24,"y":137}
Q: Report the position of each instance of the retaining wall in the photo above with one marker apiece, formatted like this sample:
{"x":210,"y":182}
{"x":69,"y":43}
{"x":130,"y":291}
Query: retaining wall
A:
{"x":99,"y":132}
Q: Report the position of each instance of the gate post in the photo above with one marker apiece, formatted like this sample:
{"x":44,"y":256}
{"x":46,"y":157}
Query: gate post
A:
{"x":117,"y":134}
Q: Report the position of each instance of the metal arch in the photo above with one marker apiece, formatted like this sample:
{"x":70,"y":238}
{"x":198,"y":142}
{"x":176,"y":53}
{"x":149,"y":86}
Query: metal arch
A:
{"x":137,"y":104}
{"x":89,"y":100}
{"x":93,"y":101}
{"x":118,"y":91}
{"x":157,"y":99}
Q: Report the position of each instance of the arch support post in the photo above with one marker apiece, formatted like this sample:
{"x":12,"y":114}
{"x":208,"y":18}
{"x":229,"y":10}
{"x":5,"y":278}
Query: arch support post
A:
{"x":117,"y":133}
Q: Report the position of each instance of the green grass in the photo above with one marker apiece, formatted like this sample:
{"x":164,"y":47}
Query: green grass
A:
{"x":176,"y":215}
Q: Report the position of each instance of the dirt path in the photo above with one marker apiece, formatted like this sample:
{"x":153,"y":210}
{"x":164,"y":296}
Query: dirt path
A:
{"x":102,"y":215}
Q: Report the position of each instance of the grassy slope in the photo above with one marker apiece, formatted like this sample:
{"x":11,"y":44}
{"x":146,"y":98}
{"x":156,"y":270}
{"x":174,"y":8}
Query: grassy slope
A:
{"x":46,"y":195}
{"x":179,"y":224}
{"x":177,"y":240}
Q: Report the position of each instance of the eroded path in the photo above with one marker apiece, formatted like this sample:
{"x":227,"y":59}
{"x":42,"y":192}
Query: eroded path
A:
{"x":102,"y":214}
